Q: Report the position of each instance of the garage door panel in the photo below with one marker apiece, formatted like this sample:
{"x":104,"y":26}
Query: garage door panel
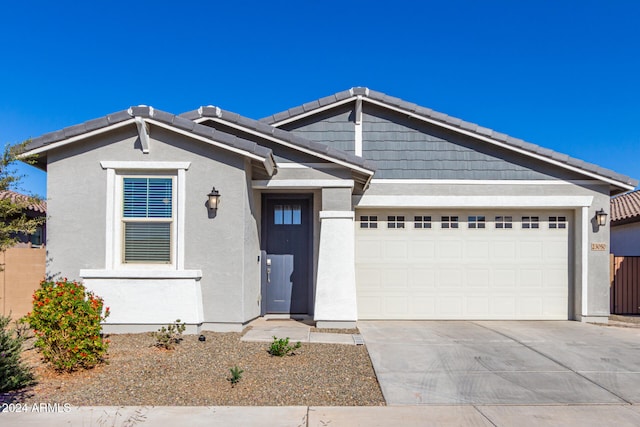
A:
{"x":463,"y":273}
{"x":421,"y":278}
{"x":421,"y":250}
{"x":425,"y":305}
{"x":370,"y":278}
{"x":503,"y":307}
{"x":369,"y":250}
{"x":394,"y":278}
{"x":449,"y":249}
{"x":477,"y":306}
{"x":530,"y":278}
{"x":503,"y":250}
{"x":449,"y":278}
{"x":530,"y":251}
{"x":395,"y":249}
{"x":449,"y":307}
{"x":476,"y":250}
{"x":555,"y":251}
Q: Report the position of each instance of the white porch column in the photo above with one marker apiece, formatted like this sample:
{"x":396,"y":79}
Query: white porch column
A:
{"x":335,"y":303}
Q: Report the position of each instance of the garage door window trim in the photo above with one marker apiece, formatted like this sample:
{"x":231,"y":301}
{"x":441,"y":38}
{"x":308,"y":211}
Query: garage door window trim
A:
{"x":476,"y":222}
{"x":368,"y":221}
{"x":422,"y":222}
{"x":530,"y":222}
{"x":557,"y":222}
{"x":504,"y":222}
{"x":449,"y":222}
{"x":395,"y":221}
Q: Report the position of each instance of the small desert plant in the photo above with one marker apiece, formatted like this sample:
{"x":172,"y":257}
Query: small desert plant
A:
{"x":168,"y":337}
{"x":236,"y":375}
{"x":66,"y":321}
{"x":14,"y":374}
{"x":280,"y":347}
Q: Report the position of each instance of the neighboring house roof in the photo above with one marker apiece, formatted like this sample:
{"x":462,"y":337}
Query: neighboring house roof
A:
{"x":625,"y":208}
{"x":39,"y":146}
{"x":280,"y":136}
{"x":452,"y":123}
{"x":35,"y":205}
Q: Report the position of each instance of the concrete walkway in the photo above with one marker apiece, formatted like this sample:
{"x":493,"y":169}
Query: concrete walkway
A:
{"x":263,"y":330}
{"x":302,"y":416}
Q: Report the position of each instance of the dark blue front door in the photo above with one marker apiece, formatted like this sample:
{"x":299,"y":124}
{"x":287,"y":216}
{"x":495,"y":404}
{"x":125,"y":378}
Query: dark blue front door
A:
{"x":286,"y":239}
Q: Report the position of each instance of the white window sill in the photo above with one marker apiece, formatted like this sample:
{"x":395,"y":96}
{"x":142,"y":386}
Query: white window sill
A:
{"x":141,"y":274}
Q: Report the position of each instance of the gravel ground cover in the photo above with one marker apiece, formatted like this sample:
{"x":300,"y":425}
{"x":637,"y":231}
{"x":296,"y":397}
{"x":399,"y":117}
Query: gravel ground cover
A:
{"x":196,"y":374}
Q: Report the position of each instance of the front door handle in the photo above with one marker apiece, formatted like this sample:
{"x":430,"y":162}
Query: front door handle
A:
{"x":268,"y":275}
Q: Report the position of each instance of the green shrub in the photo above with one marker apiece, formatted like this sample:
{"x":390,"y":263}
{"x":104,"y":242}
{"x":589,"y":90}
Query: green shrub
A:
{"x":14,"y":374}
{"x":280,"y":347}
{"x":170,"y":336}
{"x":236,"y":375}
{"x":66,"y":321}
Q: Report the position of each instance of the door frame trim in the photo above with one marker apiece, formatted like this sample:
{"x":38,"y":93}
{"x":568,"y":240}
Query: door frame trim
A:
{"x":308,"y":197}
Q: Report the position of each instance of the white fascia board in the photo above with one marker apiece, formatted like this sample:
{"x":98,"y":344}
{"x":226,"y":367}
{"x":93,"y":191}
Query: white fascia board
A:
{"x":291,"y":165}
{"x":106,"y":164}
{"x":295,"y":147}
{"x":370,"y":201}
{"x":77,"y":138}
{"x":302,"y":183}
{"x":314,"y":111}
{"x":487,"y":181}
{"x":502,"y":145}
{"x":208,"y":141}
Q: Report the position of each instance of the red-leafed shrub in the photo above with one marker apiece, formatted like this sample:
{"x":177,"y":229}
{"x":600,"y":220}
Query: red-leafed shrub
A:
{"x":66,"y":321}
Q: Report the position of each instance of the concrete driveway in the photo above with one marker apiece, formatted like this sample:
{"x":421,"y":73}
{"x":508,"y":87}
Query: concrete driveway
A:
{"x":504,"y":362}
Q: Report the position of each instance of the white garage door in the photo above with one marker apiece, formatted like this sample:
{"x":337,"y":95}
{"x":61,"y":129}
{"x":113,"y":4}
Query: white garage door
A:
{"x":413,"y":264}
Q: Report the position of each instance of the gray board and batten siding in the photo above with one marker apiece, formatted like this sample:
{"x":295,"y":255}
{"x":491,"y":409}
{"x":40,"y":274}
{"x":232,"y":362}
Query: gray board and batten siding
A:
{"x":405,"y":148}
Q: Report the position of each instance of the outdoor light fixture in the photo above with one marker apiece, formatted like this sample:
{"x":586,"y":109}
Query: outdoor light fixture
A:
{"x":214,"y":199}
{"x":601,"y":217}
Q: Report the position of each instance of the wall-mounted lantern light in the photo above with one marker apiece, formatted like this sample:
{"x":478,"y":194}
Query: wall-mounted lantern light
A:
{"x":601,"y":217}
{"x":214,"y":199}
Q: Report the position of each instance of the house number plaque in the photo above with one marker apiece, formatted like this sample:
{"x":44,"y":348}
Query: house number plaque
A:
{"x":598,"y":246}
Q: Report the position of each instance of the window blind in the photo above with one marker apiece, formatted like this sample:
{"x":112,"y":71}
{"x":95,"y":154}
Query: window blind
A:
{"x":151,"y":199}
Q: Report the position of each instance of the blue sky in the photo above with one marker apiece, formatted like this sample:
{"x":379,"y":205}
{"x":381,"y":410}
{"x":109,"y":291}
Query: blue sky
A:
{"x":561,"y":74}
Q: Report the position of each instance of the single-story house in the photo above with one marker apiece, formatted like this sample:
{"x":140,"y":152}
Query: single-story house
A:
{"x":355,"y":206}
{"x":625,"y":224}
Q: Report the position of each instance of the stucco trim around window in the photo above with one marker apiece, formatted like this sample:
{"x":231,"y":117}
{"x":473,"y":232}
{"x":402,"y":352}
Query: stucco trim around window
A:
{"x":115,"y":171}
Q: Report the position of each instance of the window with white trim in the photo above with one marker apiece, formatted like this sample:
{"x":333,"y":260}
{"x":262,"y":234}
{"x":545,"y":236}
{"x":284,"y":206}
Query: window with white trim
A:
{"x":147,"y":219}
{"x":475,"y":222}
{"x":530,"y":222}
{"x":504,"y":222}
{"x":423,"y":222}
{"x":395,"y":221}
{"x":449,"y":222}
{"x":557,"y":222}
{"x":368,"y":221}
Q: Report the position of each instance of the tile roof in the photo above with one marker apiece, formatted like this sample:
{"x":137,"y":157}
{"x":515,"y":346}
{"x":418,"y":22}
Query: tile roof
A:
{"x":625,"y":208}
{"x":151,"y":113}
{"x":427,"y":113}
{"x":268,"y":130}
{"x":34,"y":204}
